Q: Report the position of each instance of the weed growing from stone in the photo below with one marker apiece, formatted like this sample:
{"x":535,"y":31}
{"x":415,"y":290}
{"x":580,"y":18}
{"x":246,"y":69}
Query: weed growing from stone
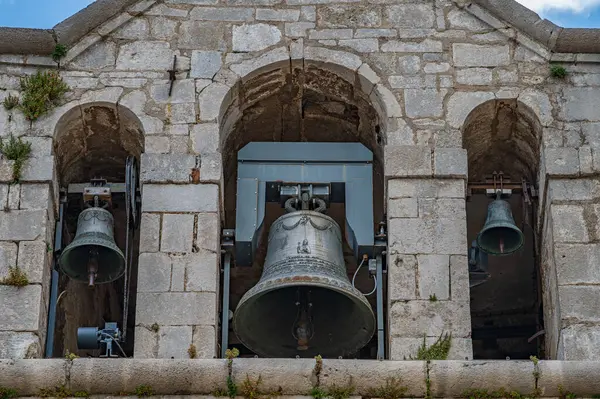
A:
{"x":486,"y":394}
{"x":393,"y":389}
{"x":318,"y":393}
{"x":232,"y":389}
{"x":335,"y":392}
{"x":438,"y":351}
{"x":143,"y":390}
{"x":18,"y":151}
{"x":192,"y":352}
{"x":16,"y":277}
{"x":81,"y":394}
{"x":59,"y":52}
{"x":57,"y":392}
{"x":251,"y":389}
{"x":70,"y":356}
{"x":10,"y":102}
{"x":433,"y":298}
{"x":558,"y":71}
{"x":7,"y":393}
{"x":155,"y":327}
{"x":41,"y":93}
{"x":564,"y":394}
{"x":219,"y":393}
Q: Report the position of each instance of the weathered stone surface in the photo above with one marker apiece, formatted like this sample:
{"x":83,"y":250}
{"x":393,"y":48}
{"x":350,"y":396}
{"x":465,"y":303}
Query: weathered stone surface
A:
{"x":461,"y":104}
{"x":38,"y":169}
{"x":424,"y":103}
{"x":402,"y":283}
{"x":199,"y":35}
{"x":28,"y":376}
{"x":428,"y":236}
{"x":255,"y":37}
{"x":205,"y":64}
{"x":361,"y":45}
{"x":222,"y":14}
{"x":174,"y":341}
{"x":266,"y":14}
{"x":21,"y":308}
{"x":193,"y":308}
{"x":459,"y":19}
{"x":402,"y":208}
{"x":100,"y":55}
{"x":459,"y":278}
{"x":210,"y":100}
{"x":450,"y":162}
{"x":180,"y":198}
{"x":34,"y":261}
{"x":177,"y":233}
{"x":35,"y":196}
{"x":412,"y":319}
{"x":577,"y":263}
{"x":407,"y":161}
{"x":349,"y":16}
{"x":166,"y":168}
{"x":182,"y":113}
{"x":157,"y":145}
{"x":211,"y":169}
{"x":183,"y":91}
{"x":149,"y":232}
{"x":410,"y":16}
{"x":154,"y":272}
{"x":425,"y":46}
{"x":561,"y":161}
{"x":407,"y":348}
{"x":23,"y":225}
{"x":426,"y":188}
{"x":163,"y":28}
{"x":434,"y":276}
{"x":205,"y":341}
{"x":20,"y":345}
{"x":576,"y":104}
{"x":573,"y":189}
{"x":150,"y":55}
{"x":475,"y":55}
{"x":579,"y":342}
{"x":201,"y":270}
{"x":579,"y":303}
{"x":8,"y":257}
{"x":207,"y":236}
{"x":569,"y":223}
{"x":474,"y":76}
{"x":135,"y":29}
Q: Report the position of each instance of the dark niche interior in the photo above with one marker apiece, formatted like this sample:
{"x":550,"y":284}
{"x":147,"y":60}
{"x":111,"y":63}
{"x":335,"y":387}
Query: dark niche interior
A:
{"x":507,"y":310}
{"x":298,"y":103}
{"x":93,"y":141}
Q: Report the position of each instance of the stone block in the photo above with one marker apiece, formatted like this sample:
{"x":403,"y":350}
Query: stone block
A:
{"x":201,"y":271}
{"x":425,"y":46}
{"x":255,"y":37}
{"x":97,"y":56}
{"x":426,"y":188}
{"x":407,"y":161}
{"x":8,"y":258}
{"x":402,"y":208}
{"x":205,"y":138}
{"x":4,"y":196}
{"x":174,"y":342}
{"x":441,"y":208}
{"x":222,"y":14}
{"x":579,"y":304}
{"x":23,"y":225}
{"x":35,"y":196}
{"x":474,"y":76}
{"x":198,"y":35}
{"x":211,"y":99}
{"x":135,"y":29}
{"x":362,"y":33}
{"x":163,"y":28}
{"x":182,"y":113}
{"x":579,"y":342}
{"x":145,"y":55}
{"x":412,"y":82}
{"x":461,"y":104}
{"x":184,"y":91}
{"x":212,"y":168}
{"x":192,"y":308}
{"x":166,"y":168}
{"x":577,"y":263}
{"x":21,"y":308}
{"x":452,"y":379}
{"x":428,"y":236}
{"x":349,"y":16}
{"x":205,"y":64}
{"x":561,"y":161}
{"x":20,"y":345}
{"x":298,"y":29}
{"x":569,"y":224}
{"x":157,"y":145}
{"x":149,"y":232}
{"x":434,"y":276}
{"x":361,"y":45}
{"x":292,"y":377}
{"x":38,"y":169}
{"x":287,"y":15}
{"x":154,"y":272}
{"x":459,"y":278}
{"x":577,"y":104}
{"x":14,"y":196}
{"x":405,"y":348}
{"x":177,"y":233}
{"x":402,"y":283}
{"x":179,"y":198}
{"x":145,"y":343}
{"x":476,"y":55}
{"x":573,"y":189}
{"x":208,"y":232}
{"x":367,"y":375}
{"x":34,"y":261}
{"x":424,"y":103}
{"x":450,"y":162}
{"x":205,"y":340}
{"x":28,"y":376}
{"x":410,"y":16}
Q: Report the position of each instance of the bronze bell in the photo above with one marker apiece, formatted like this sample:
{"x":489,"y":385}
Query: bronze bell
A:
{"x":500,"y":235}
{"x":304,"y":304}
{"x":93,"y":256}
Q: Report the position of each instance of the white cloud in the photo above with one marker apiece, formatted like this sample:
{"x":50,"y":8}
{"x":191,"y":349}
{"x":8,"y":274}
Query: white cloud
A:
{"x":564,"y":5}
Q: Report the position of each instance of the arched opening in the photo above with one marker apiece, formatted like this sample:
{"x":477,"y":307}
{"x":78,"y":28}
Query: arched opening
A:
{"x":93,"y":141}
{"x":502,"y":138}
{"x":298,"y":102}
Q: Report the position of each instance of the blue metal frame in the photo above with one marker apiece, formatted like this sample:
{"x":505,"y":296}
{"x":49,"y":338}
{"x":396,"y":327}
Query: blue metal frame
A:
{"x":261,"y":164}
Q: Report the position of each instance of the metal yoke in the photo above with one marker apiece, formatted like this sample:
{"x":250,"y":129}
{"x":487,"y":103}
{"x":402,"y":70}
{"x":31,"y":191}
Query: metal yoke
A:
{"x":267,"y":170}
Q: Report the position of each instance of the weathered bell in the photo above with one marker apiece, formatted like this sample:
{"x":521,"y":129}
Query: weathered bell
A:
{"x":500,"y":235}
{"x":93,"y":256}
{"x":304,"y":304}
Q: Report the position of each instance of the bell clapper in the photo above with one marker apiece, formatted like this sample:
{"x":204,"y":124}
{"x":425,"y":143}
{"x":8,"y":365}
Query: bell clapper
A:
{"x":302,"y":330}
{"x":92,"y":267}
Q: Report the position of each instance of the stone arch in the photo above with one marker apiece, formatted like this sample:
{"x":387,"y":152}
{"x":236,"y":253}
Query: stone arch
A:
{"x":315,"y":86}
{"x":503,"y":134}
{"x":93,"y":140}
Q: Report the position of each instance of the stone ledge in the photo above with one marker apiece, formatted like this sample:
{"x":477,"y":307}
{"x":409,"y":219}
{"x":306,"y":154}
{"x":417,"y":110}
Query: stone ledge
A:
{"x":293,"y":376}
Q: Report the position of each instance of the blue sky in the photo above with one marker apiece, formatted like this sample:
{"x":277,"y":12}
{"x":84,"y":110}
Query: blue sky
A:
{"x":45,"y":14}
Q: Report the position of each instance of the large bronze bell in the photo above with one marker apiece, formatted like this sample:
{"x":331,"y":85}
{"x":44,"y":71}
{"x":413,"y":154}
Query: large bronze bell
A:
{"x":500,"y":235}
{"x":93,"y":255}
{"x":304,"y":304}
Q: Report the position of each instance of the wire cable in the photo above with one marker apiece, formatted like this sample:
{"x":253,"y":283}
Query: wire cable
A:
{"x":356,"y":273}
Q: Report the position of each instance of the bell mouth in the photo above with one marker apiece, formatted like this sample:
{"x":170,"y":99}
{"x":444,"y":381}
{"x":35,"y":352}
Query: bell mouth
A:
{"x":500,"y":240}
{"x":342,"y":319}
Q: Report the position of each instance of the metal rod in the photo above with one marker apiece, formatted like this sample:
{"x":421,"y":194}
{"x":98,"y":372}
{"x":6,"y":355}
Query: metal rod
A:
{"x":380,"y":330}
{"x":225,"y":309}
{"x":54,"y":284}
